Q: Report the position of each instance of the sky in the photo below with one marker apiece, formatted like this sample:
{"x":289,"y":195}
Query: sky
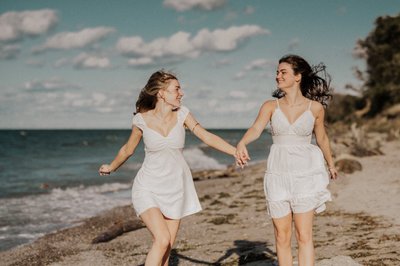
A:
{"x":81,"y":64}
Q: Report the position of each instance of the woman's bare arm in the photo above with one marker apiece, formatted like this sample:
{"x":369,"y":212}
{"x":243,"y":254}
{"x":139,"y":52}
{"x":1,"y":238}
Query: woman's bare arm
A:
{"x":126,"y":151}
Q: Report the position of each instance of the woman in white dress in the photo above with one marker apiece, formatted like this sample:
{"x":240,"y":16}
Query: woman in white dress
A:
{"x":296,"y":178}
{"x":163,"y":191}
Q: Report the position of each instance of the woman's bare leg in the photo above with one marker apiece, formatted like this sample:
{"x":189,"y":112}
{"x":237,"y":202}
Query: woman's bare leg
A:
{"x":303,"y":223}
{"x":283,"y":235}
{"x":155,"y":222}
{"x":173,"y":226}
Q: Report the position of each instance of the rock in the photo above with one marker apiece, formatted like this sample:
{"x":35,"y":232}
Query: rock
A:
{"x":338,"y":260}
{"x":348,"y":165}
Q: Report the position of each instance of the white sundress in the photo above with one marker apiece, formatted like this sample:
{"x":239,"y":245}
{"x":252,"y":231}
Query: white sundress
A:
{"x":164,"y":180}
{"x":296,"y":179}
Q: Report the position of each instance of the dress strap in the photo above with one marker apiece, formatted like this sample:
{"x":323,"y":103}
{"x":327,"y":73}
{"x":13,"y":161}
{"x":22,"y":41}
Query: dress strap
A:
{"x":277,"y":102}
{"x":309,"y":106}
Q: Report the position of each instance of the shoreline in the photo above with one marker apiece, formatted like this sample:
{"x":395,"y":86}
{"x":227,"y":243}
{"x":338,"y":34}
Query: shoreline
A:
{"x":357,"y":227}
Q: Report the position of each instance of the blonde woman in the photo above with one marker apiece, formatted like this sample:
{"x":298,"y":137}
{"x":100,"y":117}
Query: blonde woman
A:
{"x":163,"y":191}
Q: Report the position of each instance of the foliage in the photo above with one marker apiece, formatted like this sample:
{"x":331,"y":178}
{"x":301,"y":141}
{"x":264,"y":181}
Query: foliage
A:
{"x":381,"y":49}
{"x":341,"y":107}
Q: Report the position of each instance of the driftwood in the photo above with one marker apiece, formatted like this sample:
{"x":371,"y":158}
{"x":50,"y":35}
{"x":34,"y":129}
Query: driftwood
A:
{"x":118,"y":229}
{"x":393,"y":111}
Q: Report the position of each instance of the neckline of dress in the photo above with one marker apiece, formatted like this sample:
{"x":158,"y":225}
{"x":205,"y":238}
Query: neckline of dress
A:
{"x":169,"y":133}
{"x":297,"y":119}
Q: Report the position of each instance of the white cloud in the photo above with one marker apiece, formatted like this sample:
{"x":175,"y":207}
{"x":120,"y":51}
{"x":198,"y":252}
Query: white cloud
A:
{"x":35,"y":62}
{"x":293,"y":44}
{"x":239,"y":75}
{"x":184,"y":5}
{"x":249,"y":10}
{"x":257,"y":64}
{"x":226,"y":39}
{"x":15,"y":25}
{"x":222,"y":62}
{"x":97,"y":101}
{"x":9,"y":51}
{"x":230,"y":15}
{"x":71,"y":40}
{"x":85,"y":60}
{"x":143,"y":61}
{"x":180,"y":45}
{"x":238,"y":94}
{"x":51,"y":84}
{"x":62,"y":62}
{"x":176,"y":45}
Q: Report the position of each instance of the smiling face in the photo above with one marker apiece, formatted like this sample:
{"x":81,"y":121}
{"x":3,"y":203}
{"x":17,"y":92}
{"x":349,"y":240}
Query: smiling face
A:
{"x":173,"y":93}
{"x":285,"y":77}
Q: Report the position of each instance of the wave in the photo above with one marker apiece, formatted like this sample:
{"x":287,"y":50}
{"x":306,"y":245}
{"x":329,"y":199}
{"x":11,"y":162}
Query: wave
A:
{"x":32,"y":216}
{"x":198,"y":160}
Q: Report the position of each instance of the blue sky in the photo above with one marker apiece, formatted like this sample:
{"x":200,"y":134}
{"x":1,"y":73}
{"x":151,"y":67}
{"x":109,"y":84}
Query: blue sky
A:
{"x":80,"y":64}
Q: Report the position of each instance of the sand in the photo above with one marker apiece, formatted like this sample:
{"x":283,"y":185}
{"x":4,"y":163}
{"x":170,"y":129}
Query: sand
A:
{"x":359,"y":227}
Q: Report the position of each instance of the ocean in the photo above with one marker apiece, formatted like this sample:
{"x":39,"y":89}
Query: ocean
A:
{"x":49,"y":178}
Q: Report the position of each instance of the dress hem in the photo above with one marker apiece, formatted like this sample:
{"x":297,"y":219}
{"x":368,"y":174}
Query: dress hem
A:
{"x":172,"y":217}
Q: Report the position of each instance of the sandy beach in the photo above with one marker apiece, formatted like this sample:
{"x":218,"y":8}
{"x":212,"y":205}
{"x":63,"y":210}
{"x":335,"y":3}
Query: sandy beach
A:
{"x":360,"y":226}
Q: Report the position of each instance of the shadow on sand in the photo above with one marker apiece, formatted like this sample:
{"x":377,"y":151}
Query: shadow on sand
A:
{"x":246,"y":251}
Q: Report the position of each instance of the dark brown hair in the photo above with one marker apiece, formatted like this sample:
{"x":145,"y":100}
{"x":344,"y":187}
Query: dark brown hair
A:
{"x":312,"y":85}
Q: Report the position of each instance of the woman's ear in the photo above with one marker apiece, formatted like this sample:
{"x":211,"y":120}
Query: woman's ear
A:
{"x":297,"y":77}
{"x":160,"y":94}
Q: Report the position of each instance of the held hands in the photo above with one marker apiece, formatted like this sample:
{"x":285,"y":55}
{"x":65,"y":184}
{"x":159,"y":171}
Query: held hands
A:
{"x":241,"y":156}
{"x":105,"y":169}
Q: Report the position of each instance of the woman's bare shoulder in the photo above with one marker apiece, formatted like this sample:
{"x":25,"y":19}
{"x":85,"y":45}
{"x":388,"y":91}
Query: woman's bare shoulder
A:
{"x":269,"y":104}
{"x":317,"y":109}
{"x":316,"y":106}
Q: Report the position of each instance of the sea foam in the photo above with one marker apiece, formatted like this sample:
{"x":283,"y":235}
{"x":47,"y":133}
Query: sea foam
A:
{"x":32,"y":216}
{"x":198,"y":160}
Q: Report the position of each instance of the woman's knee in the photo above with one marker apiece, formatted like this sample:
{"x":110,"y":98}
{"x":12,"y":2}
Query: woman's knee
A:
{"x":304,"y":237}
{"x":163,"y":241}
{"x":283,"y":237}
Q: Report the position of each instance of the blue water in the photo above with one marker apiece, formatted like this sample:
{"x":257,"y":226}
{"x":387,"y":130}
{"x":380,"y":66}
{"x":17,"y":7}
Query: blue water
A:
{"x":49,"y":179}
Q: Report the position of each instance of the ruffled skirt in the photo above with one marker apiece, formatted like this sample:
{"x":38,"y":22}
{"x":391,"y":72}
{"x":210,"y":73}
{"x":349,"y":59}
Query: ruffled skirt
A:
{"x":296,"y":180}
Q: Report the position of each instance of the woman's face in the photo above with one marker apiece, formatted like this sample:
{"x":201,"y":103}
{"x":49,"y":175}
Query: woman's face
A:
{"x":173,"y":93}
{"x":285,"y":77}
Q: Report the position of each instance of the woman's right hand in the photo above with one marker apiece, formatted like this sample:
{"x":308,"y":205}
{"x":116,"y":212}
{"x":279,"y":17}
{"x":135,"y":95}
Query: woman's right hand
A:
{"x":242,"y":156}
{"x":105,"y":169}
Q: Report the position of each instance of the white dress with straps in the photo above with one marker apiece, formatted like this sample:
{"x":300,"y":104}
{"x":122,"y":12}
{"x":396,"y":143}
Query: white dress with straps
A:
{"x":164,"y":180}
{"x":296,"y":178}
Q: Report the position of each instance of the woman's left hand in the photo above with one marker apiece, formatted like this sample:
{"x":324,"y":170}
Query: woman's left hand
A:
{"x":333,"y":173}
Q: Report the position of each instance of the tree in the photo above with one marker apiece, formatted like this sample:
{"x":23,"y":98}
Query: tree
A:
{"x":381,"y":50}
